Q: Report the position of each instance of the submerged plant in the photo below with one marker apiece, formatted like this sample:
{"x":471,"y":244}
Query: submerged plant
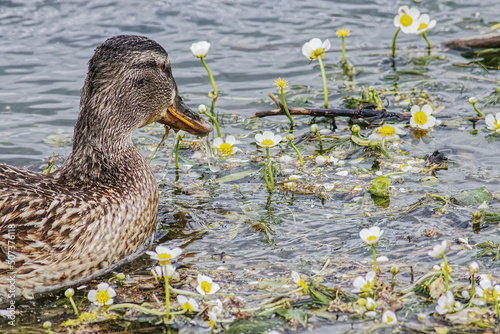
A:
{"x":473,"y":101}
{"x":315,"y":49}
{"x":290,"y":139}
{"x":438,"y":251}
{"x":202,"y":109}
{"x":200,"y":50}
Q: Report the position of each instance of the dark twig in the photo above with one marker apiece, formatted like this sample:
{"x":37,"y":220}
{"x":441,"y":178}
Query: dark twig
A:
{"x":333,"y":112}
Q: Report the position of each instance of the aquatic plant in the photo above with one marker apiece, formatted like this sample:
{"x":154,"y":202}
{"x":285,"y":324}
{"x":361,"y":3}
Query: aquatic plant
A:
{"x":200,"y":50}
{"x":343,"y":33}
{"x":315,"y":49}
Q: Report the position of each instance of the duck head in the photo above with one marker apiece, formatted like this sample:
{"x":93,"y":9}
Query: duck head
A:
{"x":129,"y":84}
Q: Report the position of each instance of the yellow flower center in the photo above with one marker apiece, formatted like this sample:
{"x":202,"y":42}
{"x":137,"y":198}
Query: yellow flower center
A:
{"x":497,"y":124}
{"x":387,"y":131}
{"x":406,"y":20}
{"x":317,"y":53}
{"x":188,"y":307}
{"x":226,"y":149}
{"x":422,"y":26}
{"x":389,"y":319}
{"x":211,"y":323}
{"x":164,"y":256}
{"x":420,"y":118}
{"x":371,"y":238}
{"x":206,"y":287}
{"x":102,"y":297}
{"x":267,"y":142}
{"x":302,"y":283}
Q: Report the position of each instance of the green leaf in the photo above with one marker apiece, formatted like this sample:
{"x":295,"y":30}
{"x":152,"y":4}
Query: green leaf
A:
{"x":473,"y":197}
{"x":294,"y":314}
{"x":319,"y":298}
{"x":380,"y":186}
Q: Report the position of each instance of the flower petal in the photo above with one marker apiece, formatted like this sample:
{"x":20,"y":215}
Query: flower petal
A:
{"x":427,"y":109}
{"x":102,"y":286}
{"x":414,"y":110}
{"x":218,"y":142}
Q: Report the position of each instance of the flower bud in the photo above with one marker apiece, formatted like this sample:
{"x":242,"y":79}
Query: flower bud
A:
{"x":472,"y":100}
{"x":180,"y":134}
{"x":202,"y":108}
{"x":69,"y":293}
{"x":473,"y":267}
{"x":314,"y":128}
{"x":47,"y":325}
{"x":120,"y":276}
{"x":290,"y":137}
{"x":394,"y":270}
{"x":355,"y":128}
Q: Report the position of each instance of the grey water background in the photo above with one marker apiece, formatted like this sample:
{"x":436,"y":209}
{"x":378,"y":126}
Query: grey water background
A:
{"x":45,"y":46}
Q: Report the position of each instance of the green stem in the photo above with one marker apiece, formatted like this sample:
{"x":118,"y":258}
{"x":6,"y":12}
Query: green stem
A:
{"x":177,"y":153}
{"x":394,"y":42}
{"x":167,"y":292}
{"x":497,"y":308}
{"x":324,"y":80}
{"x":267,"y":181}
{"x":343,"y":49}
{"x":446,"y":273}
{"x":216,"y":92}
{"x":74,"y":306}
{"x":298,"y":153}
{"x":215,"y":122}
{"x":427,"y":40}
{"x":477,"y":110}
{"x":472,"y":289}
{"x":135,"y":306}
{"x":319,"y":138}
{"x":269,"y":167}
{"x":374,"y":260}
{"x":286,"y":108}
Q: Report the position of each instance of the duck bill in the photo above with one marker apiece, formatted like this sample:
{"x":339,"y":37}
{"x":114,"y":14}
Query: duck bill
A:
{"x":180,"y":117}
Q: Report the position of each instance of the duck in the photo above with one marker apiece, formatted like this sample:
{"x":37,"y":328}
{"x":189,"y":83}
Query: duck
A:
{"x":99,"y":209}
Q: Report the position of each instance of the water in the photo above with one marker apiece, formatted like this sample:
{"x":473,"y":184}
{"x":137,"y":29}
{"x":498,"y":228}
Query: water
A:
{"x":44,"y":51}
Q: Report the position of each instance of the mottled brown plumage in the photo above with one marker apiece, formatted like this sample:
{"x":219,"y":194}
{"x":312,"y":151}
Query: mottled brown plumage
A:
{"x":101,"y":206}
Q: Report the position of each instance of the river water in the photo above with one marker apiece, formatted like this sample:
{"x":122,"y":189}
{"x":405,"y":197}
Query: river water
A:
{"x":44,"y":50}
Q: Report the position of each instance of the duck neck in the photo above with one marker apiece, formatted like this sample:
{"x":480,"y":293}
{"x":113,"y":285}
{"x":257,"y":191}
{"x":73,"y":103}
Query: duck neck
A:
{"x":103,"y":152}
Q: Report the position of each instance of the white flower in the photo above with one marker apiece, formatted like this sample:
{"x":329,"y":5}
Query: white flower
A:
{"x":425,"y":23}
{"x":190,"y":305}
{"x":226,"y":148}
{"x":215,"y":309}
{"x":473,"y":267}
{"x":202,"y":108}
{"x":493,"y":122}
{"x":320,"y":160}
{"x":206,"y":286}
{"x":361,"y":284}
{"x":389,"y":318}
{"x":180,"y":134}
{"x":165,"y":254}
{"x":200,"y":49}
{"x":421,"y":118}
{"x":407,"y":20}
{"x":446,"y":303}
{"x":103,"y":295}
{"x":170,"y":270}
{"x":267,"y":139}
{"x":371,"y":236}
{"x":465,"y":294}
{"x":297,"y":279}
{"x":439,"y":250}
{"x":291,"y":185}
{"x":387,"y":132}
{"x":485,"y":288}
{"x":371,"y":304}
{"x":314,"y":128}
{"x":497,"y":292}
{"x":315,"y":48}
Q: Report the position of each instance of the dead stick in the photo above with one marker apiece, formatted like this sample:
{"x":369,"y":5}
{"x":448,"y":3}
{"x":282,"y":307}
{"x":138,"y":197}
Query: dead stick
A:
{"x":333,"y":112}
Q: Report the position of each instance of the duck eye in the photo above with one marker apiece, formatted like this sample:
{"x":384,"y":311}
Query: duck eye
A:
{"x":163,"y":67}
